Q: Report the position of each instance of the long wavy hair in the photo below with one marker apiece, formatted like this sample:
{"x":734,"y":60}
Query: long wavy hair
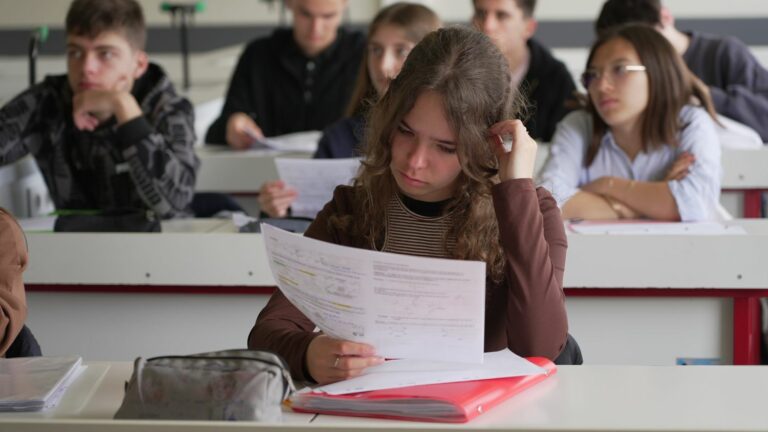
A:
{"x":472,"y":76}
{"x":671,"y":85}
{"x":415,"y":20}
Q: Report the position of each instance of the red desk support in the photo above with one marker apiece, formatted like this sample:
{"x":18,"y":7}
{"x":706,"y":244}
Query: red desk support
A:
{"x":753,"y":203}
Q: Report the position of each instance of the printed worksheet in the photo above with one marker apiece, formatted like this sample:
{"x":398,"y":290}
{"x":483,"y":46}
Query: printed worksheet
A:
{"x":315,"y":180}
{"x":407,"y":307}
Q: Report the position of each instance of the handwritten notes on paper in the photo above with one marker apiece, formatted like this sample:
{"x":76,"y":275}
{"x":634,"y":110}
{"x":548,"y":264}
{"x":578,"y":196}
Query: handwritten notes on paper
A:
{"x":315,"y":180}
{"x":405,"y":306}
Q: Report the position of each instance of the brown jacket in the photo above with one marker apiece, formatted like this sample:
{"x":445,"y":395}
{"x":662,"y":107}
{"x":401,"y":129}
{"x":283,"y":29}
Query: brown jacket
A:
{"x":525,"y":313}
{"x":13,"y":261}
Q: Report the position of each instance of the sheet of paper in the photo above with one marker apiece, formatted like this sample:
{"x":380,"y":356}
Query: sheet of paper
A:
{"x":654,"y":228}
{"x":404,"y":373}
{"x":31,"y":383}
{"x":294,"y":142}
{"x":315,"y":180}
{"x":38,"y":224}
{"x":407,"y":307}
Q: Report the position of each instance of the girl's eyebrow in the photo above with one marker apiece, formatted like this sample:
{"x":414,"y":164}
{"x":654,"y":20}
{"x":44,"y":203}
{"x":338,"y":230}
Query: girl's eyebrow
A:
{"x":439,"y":140}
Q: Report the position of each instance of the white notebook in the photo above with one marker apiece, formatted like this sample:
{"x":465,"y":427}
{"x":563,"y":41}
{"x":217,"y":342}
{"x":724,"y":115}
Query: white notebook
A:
{"x":34,"y":383}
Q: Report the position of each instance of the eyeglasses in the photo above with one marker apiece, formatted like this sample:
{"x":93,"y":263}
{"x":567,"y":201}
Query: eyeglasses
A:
{"x":616,"y":74}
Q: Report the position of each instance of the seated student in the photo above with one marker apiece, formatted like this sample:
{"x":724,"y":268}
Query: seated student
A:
{"x":13,"y":261}
{"x":392,"y":34}
{"x":640,"y":149}
{"x":544,"y":80}
{"x":437,"y":181}
{"x":737,"y":82}
{"x":295,"y":80}
{"x":112,"y":133}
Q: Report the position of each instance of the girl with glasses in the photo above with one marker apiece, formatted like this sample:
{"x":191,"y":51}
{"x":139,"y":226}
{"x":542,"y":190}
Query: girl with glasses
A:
{"x":645,"y":146}
{"x":438,"y":181}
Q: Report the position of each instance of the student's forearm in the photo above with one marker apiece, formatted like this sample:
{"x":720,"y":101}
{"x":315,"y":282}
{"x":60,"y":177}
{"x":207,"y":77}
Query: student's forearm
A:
{"x":653,"y":200}
{"x":586,"y":205}
{"x":744,"y":105}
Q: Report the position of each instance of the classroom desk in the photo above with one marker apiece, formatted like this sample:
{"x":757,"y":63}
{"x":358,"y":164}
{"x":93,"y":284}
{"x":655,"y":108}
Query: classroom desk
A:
{"x":577,"y":398}
{"x":745,"y":171}
{"x":214,"y":261}
{"x":729,"y":266}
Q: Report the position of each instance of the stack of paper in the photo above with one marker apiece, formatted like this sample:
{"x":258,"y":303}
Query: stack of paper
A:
{"x":34,"y":383}
{"x":442,"y":393}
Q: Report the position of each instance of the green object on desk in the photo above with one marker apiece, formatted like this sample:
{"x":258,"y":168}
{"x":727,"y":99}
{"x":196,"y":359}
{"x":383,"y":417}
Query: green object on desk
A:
{"x":42,"y":31}
{"x":76,"y":212}
{"x":194,"y":7}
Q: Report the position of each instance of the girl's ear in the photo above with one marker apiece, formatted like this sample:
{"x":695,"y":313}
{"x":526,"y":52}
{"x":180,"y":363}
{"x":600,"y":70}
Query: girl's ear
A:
{"x":142,"y":62}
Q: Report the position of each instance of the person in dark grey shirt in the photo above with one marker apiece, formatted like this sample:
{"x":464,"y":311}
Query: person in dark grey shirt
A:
{"x":738,"y":83}
{"x":295,"y":80}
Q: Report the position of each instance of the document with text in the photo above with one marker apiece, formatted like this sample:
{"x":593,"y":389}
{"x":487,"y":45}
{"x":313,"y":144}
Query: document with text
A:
{"x":315,"y":180}
{"x":407,"y":307}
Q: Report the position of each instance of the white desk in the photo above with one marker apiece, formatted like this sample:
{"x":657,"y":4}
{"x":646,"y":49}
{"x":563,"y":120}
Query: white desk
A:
{"x":577,"y":398}
{"x":730,"y":267}
{"x":116,"y":268}
{"x":745,"y":171}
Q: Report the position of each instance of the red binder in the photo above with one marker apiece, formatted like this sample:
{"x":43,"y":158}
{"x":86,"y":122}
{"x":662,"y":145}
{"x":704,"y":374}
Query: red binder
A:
{"x":456,"y":402}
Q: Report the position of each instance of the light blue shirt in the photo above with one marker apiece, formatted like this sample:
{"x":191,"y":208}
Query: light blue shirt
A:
{"x":697,"y":195}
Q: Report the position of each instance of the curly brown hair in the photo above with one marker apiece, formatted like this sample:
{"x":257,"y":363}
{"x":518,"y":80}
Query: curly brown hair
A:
{"x":473,"y":79}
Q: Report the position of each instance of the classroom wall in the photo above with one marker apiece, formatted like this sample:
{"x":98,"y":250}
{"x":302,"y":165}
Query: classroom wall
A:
{"x":27,"y":13}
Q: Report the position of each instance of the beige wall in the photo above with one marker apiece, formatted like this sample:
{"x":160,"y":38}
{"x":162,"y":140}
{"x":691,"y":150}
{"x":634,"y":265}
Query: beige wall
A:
{"x":31,"y":13}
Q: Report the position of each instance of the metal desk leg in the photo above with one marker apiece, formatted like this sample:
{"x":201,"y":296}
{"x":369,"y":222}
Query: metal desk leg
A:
{"x":753,"y":203}
{"x":746,"y":331}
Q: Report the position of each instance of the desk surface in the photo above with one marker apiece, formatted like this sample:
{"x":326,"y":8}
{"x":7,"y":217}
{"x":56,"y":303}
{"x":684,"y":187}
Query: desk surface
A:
{"x":577,"y":398}
{"x":209,"y":253}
